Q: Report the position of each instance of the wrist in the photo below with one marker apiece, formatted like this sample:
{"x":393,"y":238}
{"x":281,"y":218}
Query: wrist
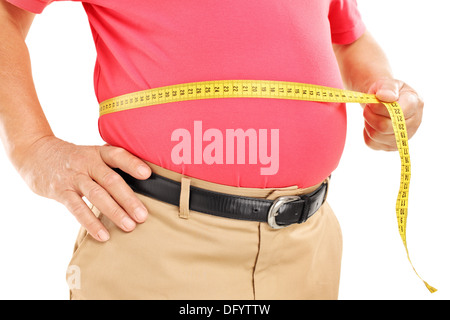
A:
{"x":20,"y":153}
{"x":371,"y":83}
{"x":365,"y":84}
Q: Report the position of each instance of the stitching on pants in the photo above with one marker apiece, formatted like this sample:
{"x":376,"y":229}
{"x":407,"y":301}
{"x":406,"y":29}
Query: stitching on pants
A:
{"x":256,"y":261}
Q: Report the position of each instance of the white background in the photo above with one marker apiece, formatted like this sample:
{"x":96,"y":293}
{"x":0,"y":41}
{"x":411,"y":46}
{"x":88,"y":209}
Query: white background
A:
{"x":37,"y":234}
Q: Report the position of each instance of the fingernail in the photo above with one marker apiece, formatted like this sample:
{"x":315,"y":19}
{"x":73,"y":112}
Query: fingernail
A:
{"x":103,"y":235}
{"x":128,"y":224}
{"x":143,"y":171}
{"x":140,"y":214}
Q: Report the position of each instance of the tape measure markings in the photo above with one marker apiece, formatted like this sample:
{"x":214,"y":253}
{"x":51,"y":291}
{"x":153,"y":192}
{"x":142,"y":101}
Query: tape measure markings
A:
{"x":232,"y":89}
{"x":280,"y":90}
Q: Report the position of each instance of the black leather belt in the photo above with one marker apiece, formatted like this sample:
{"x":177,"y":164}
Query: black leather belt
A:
{"x":278,"y":213}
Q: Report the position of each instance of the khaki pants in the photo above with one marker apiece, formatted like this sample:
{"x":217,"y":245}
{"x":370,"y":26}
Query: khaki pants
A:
{"x":182,"y":254}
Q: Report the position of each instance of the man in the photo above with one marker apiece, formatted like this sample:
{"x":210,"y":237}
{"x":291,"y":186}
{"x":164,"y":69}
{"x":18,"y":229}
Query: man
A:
{"x":269,"y":148}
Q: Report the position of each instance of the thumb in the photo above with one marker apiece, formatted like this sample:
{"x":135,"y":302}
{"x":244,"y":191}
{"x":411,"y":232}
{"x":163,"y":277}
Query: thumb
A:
{"x":387,"y":90}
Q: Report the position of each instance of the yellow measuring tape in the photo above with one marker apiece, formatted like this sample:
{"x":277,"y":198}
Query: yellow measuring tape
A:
{"x":279,"y":90}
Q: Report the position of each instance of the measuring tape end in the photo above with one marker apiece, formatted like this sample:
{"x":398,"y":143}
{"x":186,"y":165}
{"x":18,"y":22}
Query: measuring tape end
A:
{"x":430,"y":288}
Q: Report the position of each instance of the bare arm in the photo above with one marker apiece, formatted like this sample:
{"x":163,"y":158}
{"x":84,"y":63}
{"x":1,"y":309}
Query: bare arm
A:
{"x":365,"y":68}
{"x":22,"y":120}
{"x":52,"y":167}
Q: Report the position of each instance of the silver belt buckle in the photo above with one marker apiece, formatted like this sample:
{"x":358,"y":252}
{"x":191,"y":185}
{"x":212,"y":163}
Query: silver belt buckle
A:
{"x":273,"y":211}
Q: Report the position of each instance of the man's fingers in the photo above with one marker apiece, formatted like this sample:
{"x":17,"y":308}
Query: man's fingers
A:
{"x":122,"y":159}
{"x":391,"y":91}
{"x":377,"y":121}
{"x":383,"y":125}
{"x":74,"y":172}
{"x":387,"y":90}
{"x":385,"y":140}
{"x":377,"y":145}
{"x":412,"y":105}
{"x":75,"y":204}
{"x":103,"y":201}
{"x":118,"y":189}
{"x":377,"y":109}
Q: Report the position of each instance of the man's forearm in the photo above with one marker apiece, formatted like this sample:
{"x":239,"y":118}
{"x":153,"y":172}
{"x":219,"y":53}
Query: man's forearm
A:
{"x":362,"y":63}
{"x":22,"y":121}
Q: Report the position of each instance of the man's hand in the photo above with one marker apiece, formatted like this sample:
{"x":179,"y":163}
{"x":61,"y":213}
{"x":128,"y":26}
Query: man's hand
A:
{"x":54,"y":168}
{"x":65,"y":172}
{"x":378,"y":130}
{"x":362,"y":63}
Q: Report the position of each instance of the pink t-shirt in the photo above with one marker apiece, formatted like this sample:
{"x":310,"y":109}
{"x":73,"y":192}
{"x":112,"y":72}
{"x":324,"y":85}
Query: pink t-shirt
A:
{"x":245,"y":142}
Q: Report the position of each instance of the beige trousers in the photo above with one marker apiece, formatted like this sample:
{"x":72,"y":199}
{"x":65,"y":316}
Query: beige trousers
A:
{"x":182,"y":254}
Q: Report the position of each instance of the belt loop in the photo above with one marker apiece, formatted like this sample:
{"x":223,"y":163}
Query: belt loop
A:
{"x":184,"y":198}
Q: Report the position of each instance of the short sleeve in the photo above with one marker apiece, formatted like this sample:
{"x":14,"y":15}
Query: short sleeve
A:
{"x":345,"y":21}
{"x":35,"y":6}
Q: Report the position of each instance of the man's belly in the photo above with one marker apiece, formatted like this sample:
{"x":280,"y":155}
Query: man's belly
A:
{"x":257,"y":143}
